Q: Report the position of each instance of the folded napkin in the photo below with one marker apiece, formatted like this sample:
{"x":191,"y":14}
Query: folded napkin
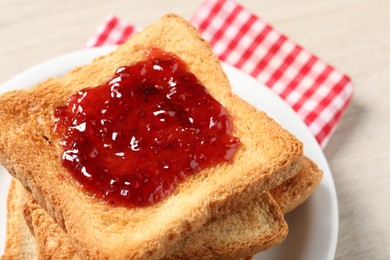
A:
{"x":314,"y":89}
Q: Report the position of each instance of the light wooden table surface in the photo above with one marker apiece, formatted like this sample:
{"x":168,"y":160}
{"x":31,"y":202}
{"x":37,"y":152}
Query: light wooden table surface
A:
{"x":353,"y":35}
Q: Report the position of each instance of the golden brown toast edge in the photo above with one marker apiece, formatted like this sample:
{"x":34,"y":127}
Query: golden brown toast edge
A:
{"x":289,"y":195}
{"x":20,"y":243}
{"x":53,"y":243}
{"x":293,"y":192}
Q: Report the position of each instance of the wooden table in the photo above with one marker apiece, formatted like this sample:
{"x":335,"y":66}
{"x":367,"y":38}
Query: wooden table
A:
{"x":353,"y":35}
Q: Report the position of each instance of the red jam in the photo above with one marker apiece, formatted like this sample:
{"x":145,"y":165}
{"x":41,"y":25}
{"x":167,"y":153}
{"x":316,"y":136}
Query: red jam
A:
{"x":131,"y":140}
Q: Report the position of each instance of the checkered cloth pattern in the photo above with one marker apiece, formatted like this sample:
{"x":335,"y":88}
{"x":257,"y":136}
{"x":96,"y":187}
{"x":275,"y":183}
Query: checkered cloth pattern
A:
{"x":314,"y":89}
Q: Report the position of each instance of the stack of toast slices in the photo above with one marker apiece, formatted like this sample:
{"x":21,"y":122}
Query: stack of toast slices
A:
{"x":226,"y":211}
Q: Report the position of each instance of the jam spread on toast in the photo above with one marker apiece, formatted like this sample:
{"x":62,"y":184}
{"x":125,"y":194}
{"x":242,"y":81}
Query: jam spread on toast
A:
{"x":130,"y":141}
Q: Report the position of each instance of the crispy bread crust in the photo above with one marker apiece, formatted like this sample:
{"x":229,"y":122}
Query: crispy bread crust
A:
{"x":293,"y":192}
{"x":243,"y":232}
{"x":20,"y":243}
{"x":254,"y":228}
{"x":247,"y":231}
{"x":52,"y":242}
{"x":268,"y":155}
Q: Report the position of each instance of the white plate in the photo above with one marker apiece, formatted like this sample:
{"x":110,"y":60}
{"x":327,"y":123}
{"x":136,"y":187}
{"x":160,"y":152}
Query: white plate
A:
{"x":313,"y":226}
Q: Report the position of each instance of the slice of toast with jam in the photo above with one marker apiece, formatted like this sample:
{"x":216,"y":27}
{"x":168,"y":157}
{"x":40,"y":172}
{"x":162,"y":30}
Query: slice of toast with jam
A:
{"x":33,"y":139}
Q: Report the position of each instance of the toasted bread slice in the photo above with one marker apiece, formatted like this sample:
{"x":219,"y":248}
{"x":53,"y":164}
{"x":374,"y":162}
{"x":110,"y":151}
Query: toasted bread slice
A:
{"x":31,"y":152}
{"x":51,"y":242}
{"x":43,"y":226}
{"x":252,"y":229}
{"x":225,"y":236}
{"x":20,"y":243}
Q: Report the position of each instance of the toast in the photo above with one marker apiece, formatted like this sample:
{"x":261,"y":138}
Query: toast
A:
{"x":226,"y":237}
{"x":230,"y":236}
{"x":37,"y":236}
{"x":31,"y":152}
{"x":20,"y":243}
{"x":216,"y":238}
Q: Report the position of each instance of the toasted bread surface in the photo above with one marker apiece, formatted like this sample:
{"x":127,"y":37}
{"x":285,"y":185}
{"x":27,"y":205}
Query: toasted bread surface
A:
{"x":31,"y":151}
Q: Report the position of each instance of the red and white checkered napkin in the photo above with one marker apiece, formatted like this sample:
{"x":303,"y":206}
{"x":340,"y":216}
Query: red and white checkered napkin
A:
{"x":315,"y":90}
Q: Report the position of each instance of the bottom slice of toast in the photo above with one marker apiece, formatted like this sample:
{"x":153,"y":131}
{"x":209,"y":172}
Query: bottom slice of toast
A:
{"x":247,"y":230}
{"x":243,"y":232}
{"x":20,"y":243}
{"x":262,"y":218}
